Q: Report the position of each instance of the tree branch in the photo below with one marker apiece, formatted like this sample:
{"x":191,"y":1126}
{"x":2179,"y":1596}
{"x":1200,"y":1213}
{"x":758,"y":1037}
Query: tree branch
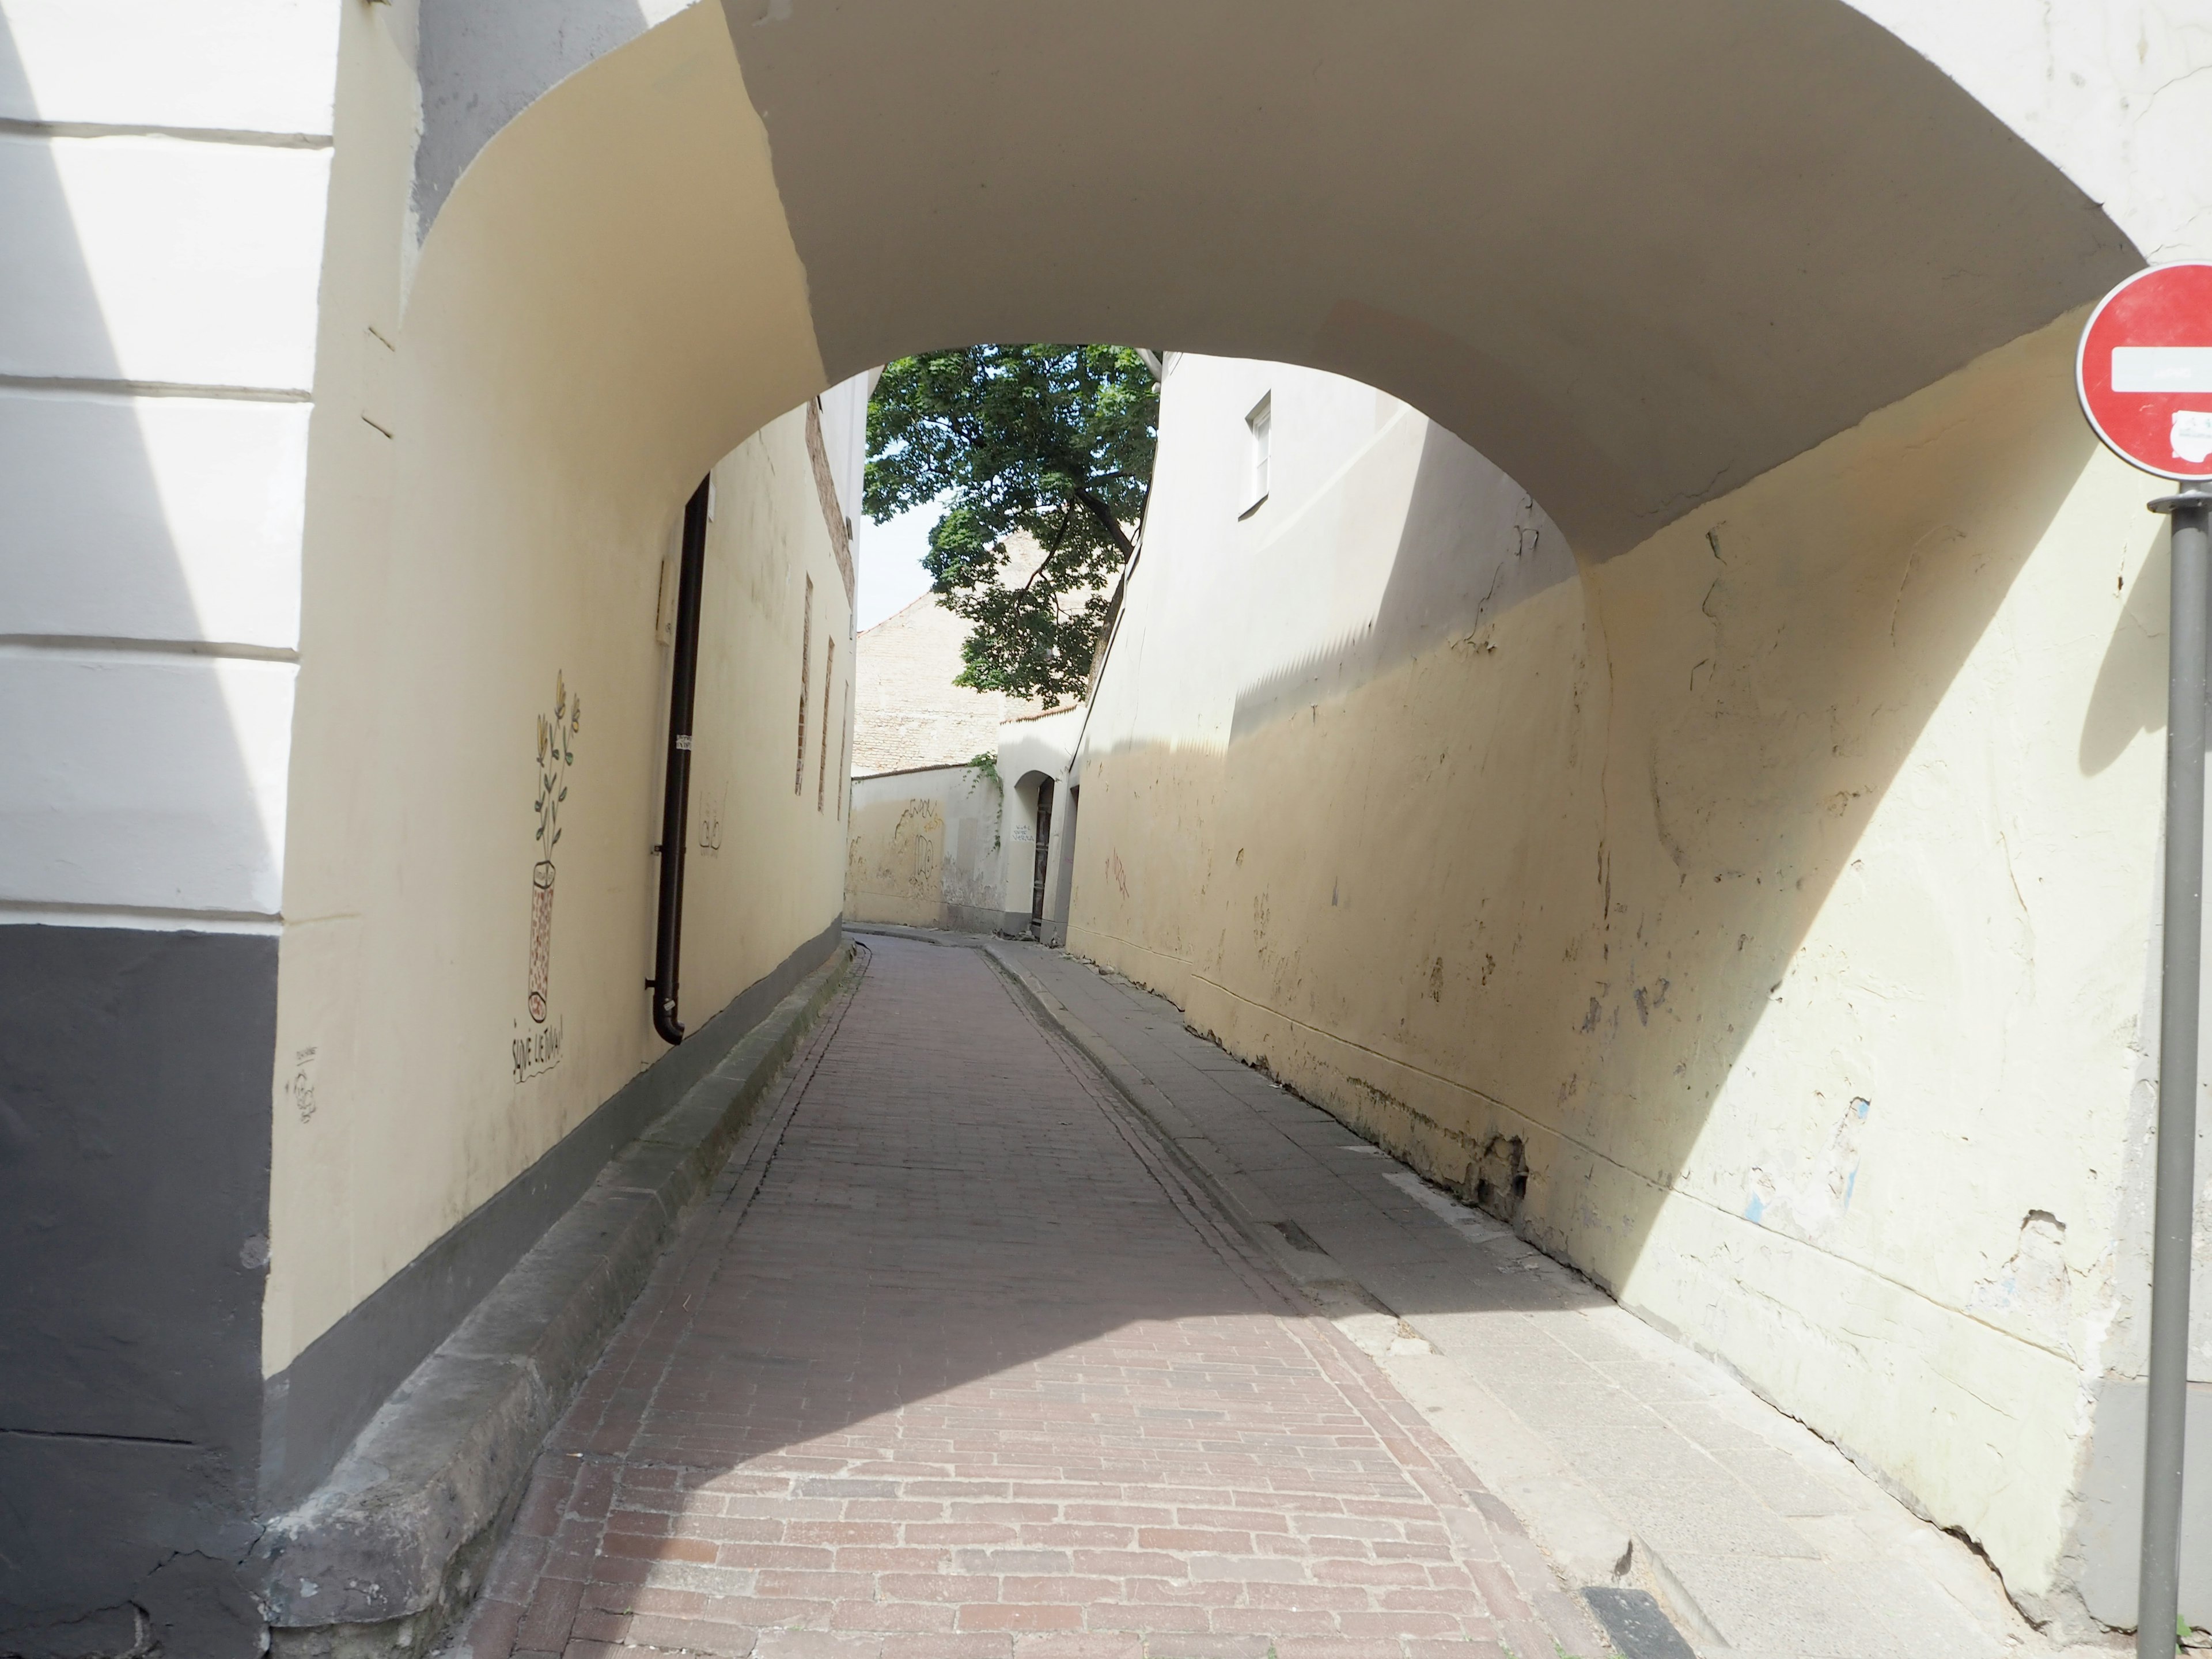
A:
{"x":1104,"y":516}
{"x":1053,"y":552}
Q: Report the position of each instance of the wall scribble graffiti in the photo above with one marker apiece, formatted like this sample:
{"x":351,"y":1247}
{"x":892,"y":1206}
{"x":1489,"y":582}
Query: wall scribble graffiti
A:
{"x":555,"y":754}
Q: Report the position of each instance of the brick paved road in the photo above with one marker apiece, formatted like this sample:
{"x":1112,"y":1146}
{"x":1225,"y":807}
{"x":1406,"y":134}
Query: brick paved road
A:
{"x":954,"y":1363}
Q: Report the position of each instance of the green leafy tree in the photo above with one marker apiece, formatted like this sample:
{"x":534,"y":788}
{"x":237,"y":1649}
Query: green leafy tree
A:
{"x":1054,"y":439}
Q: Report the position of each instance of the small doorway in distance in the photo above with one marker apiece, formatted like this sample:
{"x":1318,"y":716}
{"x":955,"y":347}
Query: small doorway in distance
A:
{"x":1044,"y":851}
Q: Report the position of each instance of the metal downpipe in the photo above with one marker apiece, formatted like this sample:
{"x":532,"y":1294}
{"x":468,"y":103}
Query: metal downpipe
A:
{"x":676,"y":794}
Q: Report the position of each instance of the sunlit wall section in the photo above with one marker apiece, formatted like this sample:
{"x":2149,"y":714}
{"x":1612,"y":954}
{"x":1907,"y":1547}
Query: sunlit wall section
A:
{"x":1759,"y":919}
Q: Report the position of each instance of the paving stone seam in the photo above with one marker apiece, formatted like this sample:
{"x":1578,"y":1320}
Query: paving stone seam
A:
{"x":1648,"y":1560}
{"x":1109,"y":1060}
{"x":1563,"y":1609}
{"x":646,"y":1321}
{"x":741,"y":1178}
{"x":546,"y":1615}
{"x":1215,"y":1213}
{"x":390,"y":1549}
{"x":745,"y":1173}
{"x":1995,"y":1624}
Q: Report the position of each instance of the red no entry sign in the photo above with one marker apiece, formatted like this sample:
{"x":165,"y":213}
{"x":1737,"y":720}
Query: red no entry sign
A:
{"x":2145,"y":370}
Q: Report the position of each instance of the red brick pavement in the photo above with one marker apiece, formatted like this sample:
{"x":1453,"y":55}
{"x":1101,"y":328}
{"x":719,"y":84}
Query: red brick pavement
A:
{"x":954,"y":1363}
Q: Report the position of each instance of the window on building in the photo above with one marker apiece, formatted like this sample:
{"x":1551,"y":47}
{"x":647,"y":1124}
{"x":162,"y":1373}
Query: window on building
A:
{"x":1257,"y":427}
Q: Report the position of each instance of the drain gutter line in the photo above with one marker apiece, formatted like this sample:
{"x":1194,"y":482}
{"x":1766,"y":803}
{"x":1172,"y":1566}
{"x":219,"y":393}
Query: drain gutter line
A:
{"x":676,"y":795}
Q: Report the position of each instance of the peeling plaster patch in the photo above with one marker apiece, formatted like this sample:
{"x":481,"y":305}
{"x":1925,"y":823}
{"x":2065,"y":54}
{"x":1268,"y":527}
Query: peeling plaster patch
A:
{"x":1816,"y":1206}
{"x":1500,"y":1178}
{"x":2033,"y":1284}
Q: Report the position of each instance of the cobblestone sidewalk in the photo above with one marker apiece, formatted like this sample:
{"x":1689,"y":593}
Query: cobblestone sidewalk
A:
{"x":955,"y":1363}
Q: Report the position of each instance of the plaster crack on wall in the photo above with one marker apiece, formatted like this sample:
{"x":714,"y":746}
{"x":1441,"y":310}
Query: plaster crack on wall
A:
{"x":1682,"y":501}
{"x":2168,"y":85}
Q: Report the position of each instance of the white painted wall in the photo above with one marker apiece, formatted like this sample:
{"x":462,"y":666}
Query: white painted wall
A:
{"x":2112,"y":92}
{"x":1032,"y":749}
{"x":263,"y":68}
{"x":1224,"y":563}
{"x":845,"y":435}
{"x":163,"y":176}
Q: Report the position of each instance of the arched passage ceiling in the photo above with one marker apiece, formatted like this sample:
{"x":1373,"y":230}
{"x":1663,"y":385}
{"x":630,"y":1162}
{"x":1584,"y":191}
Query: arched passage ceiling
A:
{"x":1637,"y":253}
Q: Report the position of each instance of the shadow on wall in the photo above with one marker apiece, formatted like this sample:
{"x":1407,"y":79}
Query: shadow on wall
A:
{"x":483,"y":61}
{"x":139,"y":1045}
{"x":2129,"y":696}
{"x":1510,"y":879}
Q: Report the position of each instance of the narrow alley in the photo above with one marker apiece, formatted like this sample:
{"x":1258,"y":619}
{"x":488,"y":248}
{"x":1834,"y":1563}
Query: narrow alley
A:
{"x":813,"y":839}
{"x":954,"y":1362}
{"x":982,"y":1345}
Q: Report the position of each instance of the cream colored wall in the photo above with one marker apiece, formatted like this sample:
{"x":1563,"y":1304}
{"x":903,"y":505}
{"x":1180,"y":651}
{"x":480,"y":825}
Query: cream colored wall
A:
{"x":1783,"y":885}
{"x":767,"y":864}
{"x":580,"y":342}
{"x":925,"y":848}
{"x":589,"y":327}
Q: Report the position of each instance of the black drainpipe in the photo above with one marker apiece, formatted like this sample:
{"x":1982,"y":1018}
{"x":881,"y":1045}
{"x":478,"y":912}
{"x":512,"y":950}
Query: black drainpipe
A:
{"x":675,"y":799}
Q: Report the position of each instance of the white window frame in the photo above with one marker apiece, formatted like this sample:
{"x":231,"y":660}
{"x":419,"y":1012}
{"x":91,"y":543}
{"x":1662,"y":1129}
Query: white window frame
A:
{"x":1259,"y":451}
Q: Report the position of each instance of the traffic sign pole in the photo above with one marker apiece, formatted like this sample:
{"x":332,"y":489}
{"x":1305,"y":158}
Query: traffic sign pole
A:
{"x":2144,"y":374}
{"x":2158,"y":1599}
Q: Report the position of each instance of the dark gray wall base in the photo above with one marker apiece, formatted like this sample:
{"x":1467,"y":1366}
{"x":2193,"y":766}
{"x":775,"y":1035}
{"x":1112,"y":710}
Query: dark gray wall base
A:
{"x":314,"y":1407}
{"x":380,"y":1557}
{"x":135,"y":1077}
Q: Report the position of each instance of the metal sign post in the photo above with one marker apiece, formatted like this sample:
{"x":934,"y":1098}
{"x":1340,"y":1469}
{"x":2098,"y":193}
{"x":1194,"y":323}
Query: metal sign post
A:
{"x":2144,"y":374}
{"x":2157,"y":1599}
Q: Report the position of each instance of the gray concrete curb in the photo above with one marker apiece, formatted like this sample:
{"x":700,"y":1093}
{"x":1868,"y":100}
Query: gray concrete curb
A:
{"x":1256,"y":1214}
{"x":389,"y":1549}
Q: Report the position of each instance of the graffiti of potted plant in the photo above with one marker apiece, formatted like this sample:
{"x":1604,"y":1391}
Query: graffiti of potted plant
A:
{"x":556,"y":752}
